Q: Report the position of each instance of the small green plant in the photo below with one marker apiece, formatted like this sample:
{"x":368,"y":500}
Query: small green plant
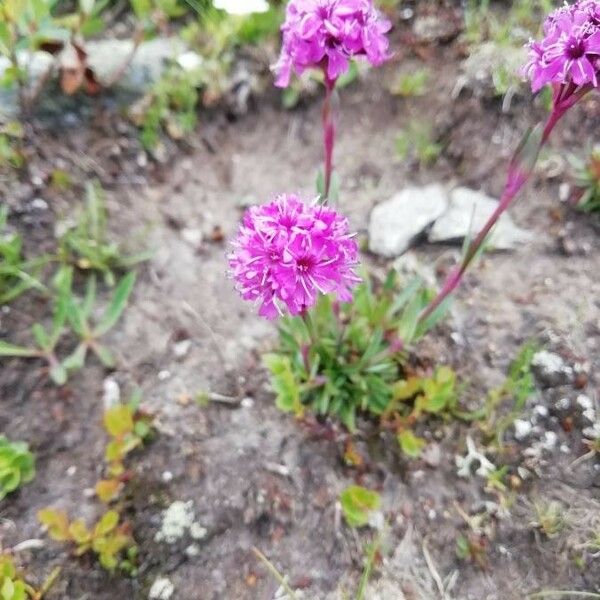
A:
{"x":11,"y":153}
{"x":128,"y":428}
{"x":587,"y":178}
{"x":550,"y":518}
{"x":14,"y":587}
{"x":358,"y":503}
{"x":483,"y":22}
{"x":346,"y":358}
{"x":472,"y":548}
{"x":418,"y":141}
{"x":17,"y":466}
{"x":46,"y":340}
{"x":109,"y":540}
{"x":87,"y":246}
{"x":170,"y":107}
{"x":68,"y":309}
{"x":79,"y":316}
{"x":411,"y":84}
{"x":17,"y":275}
{"x":495,"y":417}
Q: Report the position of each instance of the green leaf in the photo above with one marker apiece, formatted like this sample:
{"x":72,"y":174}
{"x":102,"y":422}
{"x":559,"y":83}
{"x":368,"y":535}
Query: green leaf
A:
{"x":41,"y":337}
{"x":358,"y":503}
{"x":7,"y":349}
{"x":117,"y":305}
{"x":107,"y":523}
{"x":284,"y":383}
{"x":59,"y":374}
{"x":410,"y":444}
{"x":105,"y":356}
{"x":118,"y":420}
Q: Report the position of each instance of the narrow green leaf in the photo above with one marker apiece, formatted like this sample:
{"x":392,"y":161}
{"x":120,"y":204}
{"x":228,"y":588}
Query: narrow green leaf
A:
{"x":117,"y":305}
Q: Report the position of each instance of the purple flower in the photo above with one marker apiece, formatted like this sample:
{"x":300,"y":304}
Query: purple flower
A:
{"x":327,"y":34}
{"x":287,"y":252}
{"x":570,"y":50}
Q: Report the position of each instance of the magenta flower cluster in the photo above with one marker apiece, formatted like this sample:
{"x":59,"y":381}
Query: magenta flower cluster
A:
{"x":327,"y":34}
{"x":570,"y":50}
{"x":287,"y":252}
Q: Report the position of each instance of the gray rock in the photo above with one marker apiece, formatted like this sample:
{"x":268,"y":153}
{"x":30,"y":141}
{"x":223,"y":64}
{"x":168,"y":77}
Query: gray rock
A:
{"x":394,"y":224}
{"x":467,"y":213}
{"x":486,"y":69}
{"x":106,"y":57}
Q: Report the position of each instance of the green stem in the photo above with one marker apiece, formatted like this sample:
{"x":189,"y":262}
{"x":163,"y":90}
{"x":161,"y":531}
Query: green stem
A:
{"x":310,"y":326}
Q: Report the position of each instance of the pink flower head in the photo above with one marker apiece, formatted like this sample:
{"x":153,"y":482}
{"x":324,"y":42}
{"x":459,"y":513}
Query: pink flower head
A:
{"x":327,"y":34}
{"x":287,"y":252}
{"x":570,"y":50}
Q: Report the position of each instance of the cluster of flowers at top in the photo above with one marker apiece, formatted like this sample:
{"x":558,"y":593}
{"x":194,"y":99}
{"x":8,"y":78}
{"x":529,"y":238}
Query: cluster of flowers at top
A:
{"x":287,"y":252}
{"x":570,"y":50}
{"x":327,"y":34}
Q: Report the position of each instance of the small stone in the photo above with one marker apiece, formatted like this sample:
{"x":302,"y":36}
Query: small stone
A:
{"x":540,"y":410}
{"x":467,"y":213}
{"x":71,"y":471}
{"x":551,"y":369}
{"x":436,"y":27}
{"x":164,"y":375}
{"x":395,"y":223}
{"x":192,"y":236}
{"x":550,"y":440}
{"x":167,"y":476}
{"x":522,"y":428}
{"x":162,"y":589}
{"x":38,"y":204}
{"x":181,"y":349}
{"x":190,"y":61}
{"x":585,"y":402}
{"x":111,"y":393}
{"x":432,"y":455}
{"x":192,"y":550}
{"x":247,"y":403}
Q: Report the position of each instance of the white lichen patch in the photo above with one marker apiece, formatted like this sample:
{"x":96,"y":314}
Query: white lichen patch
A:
{"x":162,"y":589}
{"x":178,"y":521}
{"x":474,"y":457}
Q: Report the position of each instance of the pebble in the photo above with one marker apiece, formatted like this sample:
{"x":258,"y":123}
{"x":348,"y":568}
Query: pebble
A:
{"x":111,"y":393}
{"x":522,"y":428}
{"x":162,"y":589}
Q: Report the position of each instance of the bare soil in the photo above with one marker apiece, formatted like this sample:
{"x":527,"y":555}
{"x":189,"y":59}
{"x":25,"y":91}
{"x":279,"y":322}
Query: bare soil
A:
{"x":225,"y":458}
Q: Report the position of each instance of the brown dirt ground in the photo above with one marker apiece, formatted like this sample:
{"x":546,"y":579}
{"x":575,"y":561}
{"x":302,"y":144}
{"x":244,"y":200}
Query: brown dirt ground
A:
{"x":220,"y":457}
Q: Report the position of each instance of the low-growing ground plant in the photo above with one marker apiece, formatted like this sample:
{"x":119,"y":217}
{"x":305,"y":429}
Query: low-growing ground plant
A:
{"x":418,"y":141}
{"x":128,"y":427}
{"x":110,"y":540}
{"x":17,"y":466}
{"x":358,"y":504}
{"x":68,"y":309}
{"x":587,"y":180}
{"x":346,"y":360}
{"x":87,"y":245}
{"x":13,"y":585}
{"x":506,"y":402}
{"x":17,"y":275}
{"x":411,"y":84}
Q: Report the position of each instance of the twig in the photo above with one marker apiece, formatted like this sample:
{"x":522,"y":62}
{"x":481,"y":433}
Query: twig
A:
{"x":215,"y":342}
{"x":556,"y":593}
{"x":276,"y":574}
{"x":434,"y":572}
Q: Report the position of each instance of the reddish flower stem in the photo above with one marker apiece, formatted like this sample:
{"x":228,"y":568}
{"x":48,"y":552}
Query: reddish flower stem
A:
{"x":328,"y":134}
{"x":518,"y":176}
